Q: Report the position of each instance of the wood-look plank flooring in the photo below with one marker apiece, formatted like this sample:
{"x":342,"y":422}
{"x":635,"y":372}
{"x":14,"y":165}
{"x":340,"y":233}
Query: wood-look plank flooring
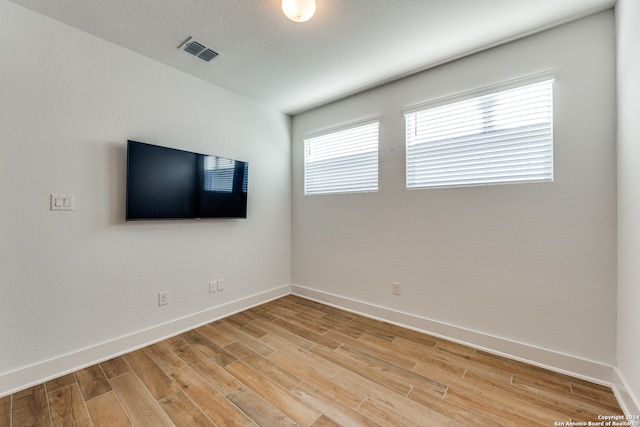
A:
{"x":295,"y":362}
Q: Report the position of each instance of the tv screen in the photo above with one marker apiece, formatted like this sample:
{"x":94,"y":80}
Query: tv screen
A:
{"x":166,"y":183}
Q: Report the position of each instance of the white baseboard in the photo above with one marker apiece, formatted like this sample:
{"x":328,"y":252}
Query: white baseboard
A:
{"x":567,"y":364}
{"x":559,"y":362}
{"x":629,"y":403}
{"x":23,"y":378}
{"x":26,"y":377}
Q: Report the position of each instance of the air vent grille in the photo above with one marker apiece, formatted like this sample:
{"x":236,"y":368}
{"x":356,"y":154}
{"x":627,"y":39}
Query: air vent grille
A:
{"x":198,"y":49}
{"x":194,"y":48}
{"x":208,"y":55}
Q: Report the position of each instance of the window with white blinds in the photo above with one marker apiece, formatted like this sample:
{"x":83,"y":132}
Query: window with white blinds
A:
{"x":498,"y":137}
{"x":342,"y":161}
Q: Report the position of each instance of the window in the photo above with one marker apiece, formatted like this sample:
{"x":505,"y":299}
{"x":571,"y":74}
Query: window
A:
{"x":343,"y":160}
{"x":498,"y":137}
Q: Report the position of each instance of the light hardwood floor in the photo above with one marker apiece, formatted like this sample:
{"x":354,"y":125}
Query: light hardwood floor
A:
{"x":294,"y":362}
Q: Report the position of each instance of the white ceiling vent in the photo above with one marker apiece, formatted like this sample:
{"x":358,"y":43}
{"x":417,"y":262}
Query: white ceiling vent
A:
{"x":198,"y":49}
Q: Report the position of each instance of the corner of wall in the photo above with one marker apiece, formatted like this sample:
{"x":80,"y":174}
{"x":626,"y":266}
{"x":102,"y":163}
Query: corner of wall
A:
{"x":630,"y":404}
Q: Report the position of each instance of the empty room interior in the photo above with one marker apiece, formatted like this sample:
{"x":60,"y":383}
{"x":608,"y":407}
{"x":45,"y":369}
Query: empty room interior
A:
{"x":408,"y":212}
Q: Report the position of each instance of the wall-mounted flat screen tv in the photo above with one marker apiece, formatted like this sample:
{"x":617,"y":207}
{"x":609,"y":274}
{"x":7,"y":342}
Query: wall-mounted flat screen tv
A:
{"x":166,"y":183}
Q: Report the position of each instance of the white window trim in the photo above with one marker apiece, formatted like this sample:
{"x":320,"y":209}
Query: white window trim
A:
{"x":485,"y":90}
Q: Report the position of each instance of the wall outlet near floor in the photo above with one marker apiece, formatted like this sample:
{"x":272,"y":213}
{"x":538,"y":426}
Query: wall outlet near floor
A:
{"x":395,"y":288}
{"x":213,"y":286}
{"x":220,"y":285}
{"x":163,"y":298}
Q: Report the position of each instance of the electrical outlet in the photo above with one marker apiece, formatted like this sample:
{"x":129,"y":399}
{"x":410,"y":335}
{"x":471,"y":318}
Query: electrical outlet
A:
{"x":163,"y":298}
{"x":220,"y":285}
{"x":395,"y":288}
{"x":213,"y":286}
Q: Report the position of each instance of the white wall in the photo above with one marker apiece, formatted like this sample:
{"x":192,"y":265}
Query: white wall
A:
{"x":628,"y":32}
{"x":73,"y":280}
{"x":529,"y":263}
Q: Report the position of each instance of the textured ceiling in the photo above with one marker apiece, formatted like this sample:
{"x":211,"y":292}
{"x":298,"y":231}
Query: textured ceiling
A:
{"x":348,"y":46}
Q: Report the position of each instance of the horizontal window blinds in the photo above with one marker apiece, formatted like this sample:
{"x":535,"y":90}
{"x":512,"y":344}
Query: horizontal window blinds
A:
{"x":504,"y":136}
{"x":342,"y":161}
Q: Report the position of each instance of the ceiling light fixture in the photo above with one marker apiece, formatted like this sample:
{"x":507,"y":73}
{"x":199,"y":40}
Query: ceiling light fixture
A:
{"x":299,"y":10}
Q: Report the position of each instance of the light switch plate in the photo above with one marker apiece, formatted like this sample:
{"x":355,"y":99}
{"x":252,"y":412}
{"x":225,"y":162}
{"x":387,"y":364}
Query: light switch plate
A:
{"x":62,"y":202}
